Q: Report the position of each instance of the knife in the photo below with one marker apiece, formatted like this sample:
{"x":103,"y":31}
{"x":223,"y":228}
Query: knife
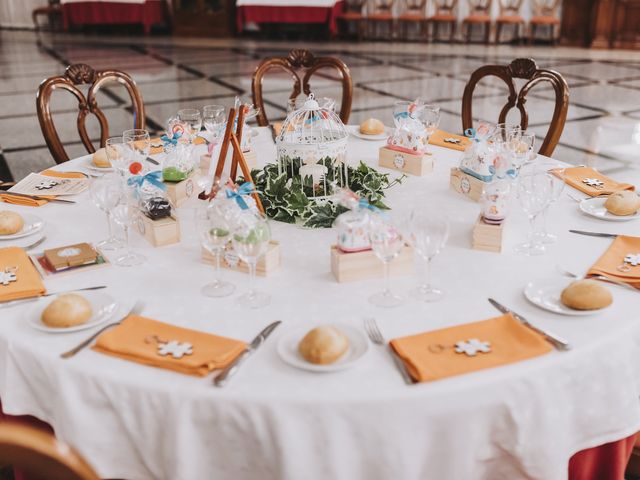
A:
{"x":11,"y":303}
{"x":36,"y":197}
{"x":595,"y":234}
{"x":224,"y":376}
{"x":151,"y":160}
{"x":554,"y":340}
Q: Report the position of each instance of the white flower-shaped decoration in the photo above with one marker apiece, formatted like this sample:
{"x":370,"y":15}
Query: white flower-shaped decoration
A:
{"x":452,"y":140}
{"x":7,"y":276}
{"x":175,"y":349}
{"x":46,"y":185}
{"x":632,"y":259}
{"x":593,"y":182}
{"x":472,"y":346}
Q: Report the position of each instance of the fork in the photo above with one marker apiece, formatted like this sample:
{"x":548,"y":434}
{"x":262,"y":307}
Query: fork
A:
{"x":371,"y":327}
{"x":601,"y":278}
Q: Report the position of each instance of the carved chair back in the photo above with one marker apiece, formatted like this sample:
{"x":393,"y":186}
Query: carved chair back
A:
{"x":445,"y":7}
{"x":479,"y":7}
{"x":383,"y":6}
{"x":415,"y":6}
{"x":82,"y":74}
{"x":524,"y":68}
{"x":545,"y":8}
{"x":510,"y":7}
{"x":302,"y":64}
{"x":354,"y":5}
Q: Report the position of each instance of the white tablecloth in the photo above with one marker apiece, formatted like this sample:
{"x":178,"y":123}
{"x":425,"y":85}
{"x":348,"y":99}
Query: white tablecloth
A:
{"x":275,"y":422}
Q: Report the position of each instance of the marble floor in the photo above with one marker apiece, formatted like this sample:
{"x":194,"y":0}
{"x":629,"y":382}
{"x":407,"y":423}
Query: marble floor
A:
{"x":602,"y":129}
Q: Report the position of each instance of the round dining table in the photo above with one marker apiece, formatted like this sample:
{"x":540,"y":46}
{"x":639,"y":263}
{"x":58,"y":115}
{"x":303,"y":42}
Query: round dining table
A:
{"x":275,"y":421}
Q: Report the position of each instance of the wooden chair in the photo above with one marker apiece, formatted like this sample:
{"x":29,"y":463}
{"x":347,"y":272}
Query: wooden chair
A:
{"x":382,"y":15}
{"x":53,"y":12}
{"x":302,"y":64}
{"x":414,"y":14}
{"x":479,"y":14}
{"x":82,"y":74}
{"x":527,"y":69}
{"x":545,"y":14}
{"x":353,"y":14}
{"x":509,"y":15}
{"x":445,"y":15}
{"x":40,"y":455}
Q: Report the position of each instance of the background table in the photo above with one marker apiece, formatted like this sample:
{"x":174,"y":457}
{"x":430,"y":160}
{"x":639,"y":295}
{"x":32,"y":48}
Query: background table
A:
{"x":273,"y":421}
{"x":101,"y":12}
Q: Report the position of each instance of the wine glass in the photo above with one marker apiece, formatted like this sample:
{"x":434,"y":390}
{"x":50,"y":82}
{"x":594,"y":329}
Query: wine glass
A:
{"x":427,"y":232}
{"x":558,"y":182}
{"x":192,"y":120}
{"x":401,"y":112}
{"x":504,"y":131}
{"x":214,"y":229}
{"x":386,"y":243}
{"x":250,"y":237}
{"x":138,"y":145}
{"x":124,"y":214}
{"x":213,"y":118}
{"x":534,"y":193}
{"x":429,"y":116}
{"x":115,"y":149}
{"x":521,"y":146}
{"x":105,"y":193}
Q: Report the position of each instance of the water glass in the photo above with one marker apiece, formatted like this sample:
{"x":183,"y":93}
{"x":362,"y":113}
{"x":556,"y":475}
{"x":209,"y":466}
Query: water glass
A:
{"x":521,"y":147}
{"x":192,"y":121}
{"x":504,"y":131}
{"x":116,"y":154}
{"x":213,"y":118}
{"x":534,"y":193}
{"x":429,"y":115}
{"x":558,"y":183}
{"x":138,"y":145}
{"x":386,"y":242}
{"x":250,"y":237}
{"x":124,"y":214}
{"x":105,"y":193}
{"x":214,"y":230}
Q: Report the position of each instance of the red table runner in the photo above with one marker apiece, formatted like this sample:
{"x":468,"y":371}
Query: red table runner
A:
{"x":267,"y":14}
{"x":149,"y":13}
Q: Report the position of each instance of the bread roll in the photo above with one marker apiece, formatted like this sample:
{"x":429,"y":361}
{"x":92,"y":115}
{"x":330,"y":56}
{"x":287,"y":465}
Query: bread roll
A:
{"x":323,"y":345}
{"x":66,"y":311}
{"x":624,"y":202}
{"x":372,"y":126}
{"x":586,"y":295}
{"x":10,"y":222}
{"x":100,"y":159}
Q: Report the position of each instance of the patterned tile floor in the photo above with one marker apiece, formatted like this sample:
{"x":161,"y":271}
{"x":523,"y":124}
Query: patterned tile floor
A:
{"x":603,"y":127}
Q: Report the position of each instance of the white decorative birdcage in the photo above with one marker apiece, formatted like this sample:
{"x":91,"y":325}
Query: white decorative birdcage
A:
{"x":312,"y":147}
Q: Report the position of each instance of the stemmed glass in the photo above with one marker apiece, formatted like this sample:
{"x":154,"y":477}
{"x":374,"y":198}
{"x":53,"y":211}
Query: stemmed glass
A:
{"x":138,"y":145}
{"x":192,"y":120}
{"x":124,"y":214}
{"x":251,"y":236}
{"x":557,"y":182}
{"x":105,"y":193}
{"x":520,"y":146}
{"x":504,"y":131}
{"x":214,"y":229}
{"x":429,"y":115}
{"x":116,"y":154}
{"x":213,"y":118}
{"x":427,"y":232}
{"x":534,"y":192}
{"x":386,"y":243}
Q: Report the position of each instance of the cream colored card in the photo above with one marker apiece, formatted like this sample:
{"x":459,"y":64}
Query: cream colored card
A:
{"x":36,"y":184}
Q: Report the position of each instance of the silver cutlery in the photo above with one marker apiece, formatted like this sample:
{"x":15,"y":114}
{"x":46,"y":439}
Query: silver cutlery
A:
{"x":371,"y":327}
{"x":553,"y":339}
{"x":135,"y":308}
{"x":595,"y":234}
{"x":11,"y":303}
{"x":223,"y":377}
{"x":35,"y":244}
{"x":602,"y":278}
{"x":36,"y":197}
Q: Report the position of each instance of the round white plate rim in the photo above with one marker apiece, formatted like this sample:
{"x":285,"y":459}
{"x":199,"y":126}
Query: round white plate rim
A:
{"x":558,"y":284}
{"x":296,"y":334}
{"x":89,"y":164}
{"x":29,"y":219}
{"x":34,"y":314}
{"x":584,"y":207}
{"x":18,"y":242}
{"x":355,"y":131}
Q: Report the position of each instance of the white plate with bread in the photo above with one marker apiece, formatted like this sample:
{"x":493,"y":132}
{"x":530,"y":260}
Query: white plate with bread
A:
{"x":370,"y":129}
{"x":326,"y":348}
{"x":569,"y":297}
{"x":71,"y":312}
{"x":618,"y":207}
{"x":14,"y":225}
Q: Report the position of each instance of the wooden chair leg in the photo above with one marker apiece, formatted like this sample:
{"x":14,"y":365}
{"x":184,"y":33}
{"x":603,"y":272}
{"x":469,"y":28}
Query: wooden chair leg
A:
{"x":532,"y":34}
{"x":452,"y":32}
{"x":466,"y":27}
{"x":487,"y":33}
{"x":498,"y":31}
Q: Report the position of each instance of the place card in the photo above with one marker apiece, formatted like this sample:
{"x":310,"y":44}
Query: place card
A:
{"x":37,"y":184}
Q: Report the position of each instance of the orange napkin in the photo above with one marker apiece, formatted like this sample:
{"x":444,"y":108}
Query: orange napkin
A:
{"x":438,"y":139}
{"x":28,"y":283}
{"x":160,"y":148}
{"x":510,"y":342}
{"x":30,"y":202}
{"x":574,"y":177}
{"x":608,"y":263}
{"x":127,"y":341}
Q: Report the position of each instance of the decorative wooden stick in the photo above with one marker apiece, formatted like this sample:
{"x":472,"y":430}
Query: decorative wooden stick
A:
{"x":234,"y":161}
{"x":246,"y":171}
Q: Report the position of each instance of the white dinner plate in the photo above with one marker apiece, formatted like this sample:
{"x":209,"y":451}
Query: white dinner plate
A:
{"x":102,"y":305}
{"x":355,"y":131}
{"x":23,"y":242}
{"x":32,"y":224}
{"x":545,"y":293}
{"x":595,"y":208}
{"x":88,"y":163}
{"x":288,"y":349}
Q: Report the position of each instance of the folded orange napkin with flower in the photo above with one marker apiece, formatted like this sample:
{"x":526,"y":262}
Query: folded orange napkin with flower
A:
{"x":611,"y":262}
{"x":32,"y":202}
{"x":139,"y":339}
{"x":431,"y":355}
{"x":439,"y":136}
{"x":590,"y":181}
{"x":27,"y":281}
{"x":158,"y":147}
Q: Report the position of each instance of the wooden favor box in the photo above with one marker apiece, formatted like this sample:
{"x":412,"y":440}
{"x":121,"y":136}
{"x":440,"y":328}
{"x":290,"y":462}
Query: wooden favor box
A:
{"x":466,"y":184}
{"x":415,"y":164}
{"x":180,"y":192}
{"x":486,"y":236}
{"x":267,"y":263}
{"x":350,"y":267}
{"x":165,"y":231}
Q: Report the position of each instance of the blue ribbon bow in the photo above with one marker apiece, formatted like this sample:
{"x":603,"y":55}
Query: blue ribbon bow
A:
{"x":364,"y":203}
{"x":244,"y":189}
{"x":173,"y":140}
{"x":154,"y":178}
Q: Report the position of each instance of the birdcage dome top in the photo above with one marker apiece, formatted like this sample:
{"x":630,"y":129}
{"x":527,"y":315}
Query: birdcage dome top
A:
{"x":311,"y":125}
